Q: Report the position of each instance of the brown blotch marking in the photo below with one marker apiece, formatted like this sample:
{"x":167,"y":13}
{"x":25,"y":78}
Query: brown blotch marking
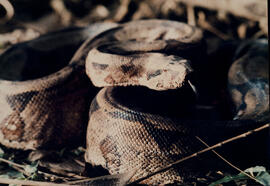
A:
{"x":237,"y":97}
{"x":99,"y":66}
{"x":109,"y":79}
{"x":161,"y":35}
{"x":13,"y":120}
{"x":131,"y":70}
{"x":109,"y":149}
{"x":154,"y":74}
{"x":127,"y":68}
{"x":251,"y":100}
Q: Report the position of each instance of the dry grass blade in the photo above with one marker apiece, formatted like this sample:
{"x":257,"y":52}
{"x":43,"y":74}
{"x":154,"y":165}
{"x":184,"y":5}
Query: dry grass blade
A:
{"x":60,"y":8}
{"x":26,"y":182}
{"x":113,"y":180}
{"x":203,"y":151}
{"x":12,"y":163}
{"x":16,"y":166}
{"x":122,"y":10}
{"x":229,"y":163}
{"x":191,"y":15}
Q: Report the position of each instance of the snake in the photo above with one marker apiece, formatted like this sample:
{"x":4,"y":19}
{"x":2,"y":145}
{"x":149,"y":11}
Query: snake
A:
{"x":136,"y":121}
{"x":139,"y":54}
{"x":148,"y":55}
{"x":43,"y":96}
{"x":139,"y":121}
{"x":248,"y":81}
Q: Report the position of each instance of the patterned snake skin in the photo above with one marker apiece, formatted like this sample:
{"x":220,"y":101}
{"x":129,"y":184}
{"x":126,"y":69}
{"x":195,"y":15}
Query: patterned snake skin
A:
{"x":145,"y":55}
{"x":44,"y":102}
{"x":123,"y":134}
{"x":132,"y":139}
{"x":249,"y":81}
{"x":43,"y":98}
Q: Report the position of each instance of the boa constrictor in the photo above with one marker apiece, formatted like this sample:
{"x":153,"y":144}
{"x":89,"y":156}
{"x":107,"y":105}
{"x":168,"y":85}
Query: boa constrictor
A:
{"x":145,"y":53}
{"x":248,"y":81}
{"x":130,"y":128}
{"x":134,"y":128}
{"x":43,"y":97}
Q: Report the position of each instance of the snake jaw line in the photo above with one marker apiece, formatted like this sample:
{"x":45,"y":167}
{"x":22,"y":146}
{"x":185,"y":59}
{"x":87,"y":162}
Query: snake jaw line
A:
{"x":172,"y":74}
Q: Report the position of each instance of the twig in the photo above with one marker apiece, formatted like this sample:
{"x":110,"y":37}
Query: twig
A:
{"x":27,"y":182}
{"x":12,"y":163}
{"x":79,"y":162}
{"x":229,"y":163}
{"x":242,"y":31}
{"x":117,"y":179}
{"x":191,"y":15}
{"x":202,"y":151}
{"x":9,"y":9}
{"x":82,"y":180}
{"x":207,"y":26}
{"x":21,"y":168}
{"x":144,"y":10}
{"x":122,"y":10}
{"x":51,"y":176}
{"x":75,"y":176}
{"x":16,"y":166}
{"x":59,"y":7}
{"x":252,"y":9}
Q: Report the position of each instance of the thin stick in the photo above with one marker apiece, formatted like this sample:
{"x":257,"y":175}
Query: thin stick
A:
{"x":207,"y":26}
{"x":229,"y":163}
{"x":16,"y":166}
{"x":12,"y":163}
{"x":52,"y":176}
{"x":236,"y":7}
{"x":59,"y":7}
{"x":27,"y":182}
{"x":122,"y":10}
{"x":203,"y":151}
{"x":79,"y":162}
{"x":191,"y":15}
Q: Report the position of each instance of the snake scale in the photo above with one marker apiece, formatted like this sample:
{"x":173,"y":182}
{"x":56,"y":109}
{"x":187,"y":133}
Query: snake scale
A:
{"x":249,"y":81}
{"x":145,"y":67}
{"x":43,"y":98}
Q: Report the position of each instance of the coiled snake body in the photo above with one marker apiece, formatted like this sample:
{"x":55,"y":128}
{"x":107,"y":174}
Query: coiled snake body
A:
{"x":43,"y":98}
{"x":132,"y":136}
{"x":148,"y":55}
{"x":130,"y":128}
{"x":248,"y":81}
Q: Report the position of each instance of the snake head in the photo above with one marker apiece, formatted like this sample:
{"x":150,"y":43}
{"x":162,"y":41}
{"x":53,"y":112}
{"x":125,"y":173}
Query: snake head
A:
{"x":165,"y":72}
{"x":157,"y":71}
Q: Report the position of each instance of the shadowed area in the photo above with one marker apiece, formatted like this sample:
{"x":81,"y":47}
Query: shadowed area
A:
{"x":40,"y":57}
{"x":175,"y":103}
